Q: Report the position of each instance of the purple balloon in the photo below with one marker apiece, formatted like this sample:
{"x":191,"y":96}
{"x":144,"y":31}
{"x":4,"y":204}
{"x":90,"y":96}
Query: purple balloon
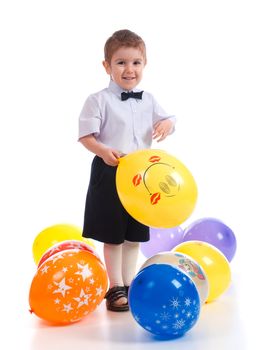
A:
{"x":162,"y":240}
{"x":215,"y":232}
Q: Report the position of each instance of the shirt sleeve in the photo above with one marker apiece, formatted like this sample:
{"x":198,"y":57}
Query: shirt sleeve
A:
{"x":90,"y":118}
{"x":159,"y":114}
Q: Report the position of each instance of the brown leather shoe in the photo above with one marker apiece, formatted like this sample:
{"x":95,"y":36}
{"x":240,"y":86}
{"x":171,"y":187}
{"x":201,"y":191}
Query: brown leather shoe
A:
{"x":113,"y":295}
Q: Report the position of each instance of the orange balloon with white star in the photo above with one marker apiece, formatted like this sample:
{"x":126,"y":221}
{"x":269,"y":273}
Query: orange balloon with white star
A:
{"x":68,"y":286}
{"x":156,"y":188}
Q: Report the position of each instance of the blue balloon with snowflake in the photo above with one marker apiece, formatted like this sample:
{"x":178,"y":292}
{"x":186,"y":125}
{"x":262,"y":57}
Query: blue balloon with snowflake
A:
{"x":164,"y":300}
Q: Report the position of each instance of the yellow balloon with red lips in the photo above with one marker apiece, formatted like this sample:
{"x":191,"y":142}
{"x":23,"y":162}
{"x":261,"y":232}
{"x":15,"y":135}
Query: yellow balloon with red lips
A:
{"x":155,"y":188}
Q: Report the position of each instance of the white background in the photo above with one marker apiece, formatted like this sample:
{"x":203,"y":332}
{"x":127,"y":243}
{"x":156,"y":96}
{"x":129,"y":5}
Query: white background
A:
{"x":213,"y":64}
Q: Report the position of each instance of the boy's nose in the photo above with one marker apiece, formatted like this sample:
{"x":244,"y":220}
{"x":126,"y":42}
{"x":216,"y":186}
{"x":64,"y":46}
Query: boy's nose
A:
{"x":129,"y":68}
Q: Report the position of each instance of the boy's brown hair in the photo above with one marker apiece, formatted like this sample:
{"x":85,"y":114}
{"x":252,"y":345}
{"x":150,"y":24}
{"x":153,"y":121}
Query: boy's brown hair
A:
{"x":123,"y":38}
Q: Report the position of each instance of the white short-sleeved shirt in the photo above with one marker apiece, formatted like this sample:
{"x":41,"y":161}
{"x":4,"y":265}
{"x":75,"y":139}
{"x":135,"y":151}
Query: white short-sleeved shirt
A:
{"x":126,"y":126}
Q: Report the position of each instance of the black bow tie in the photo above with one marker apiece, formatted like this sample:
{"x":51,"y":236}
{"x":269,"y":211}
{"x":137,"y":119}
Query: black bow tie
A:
{"x":132,"y":94}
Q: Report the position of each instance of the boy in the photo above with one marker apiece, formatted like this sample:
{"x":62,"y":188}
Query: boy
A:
{"x":116,"y":121}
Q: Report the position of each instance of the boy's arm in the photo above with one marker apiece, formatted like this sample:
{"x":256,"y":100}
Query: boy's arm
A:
{"x":163,"y":123}
{"x":109,"y":155}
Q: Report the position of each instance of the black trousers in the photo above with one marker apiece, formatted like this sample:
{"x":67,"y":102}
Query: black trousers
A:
{"x":105,"y":219}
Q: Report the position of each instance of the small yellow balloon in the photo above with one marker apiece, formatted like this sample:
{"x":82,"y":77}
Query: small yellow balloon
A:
{"x":88,"y":241}
{"x":213,"y":262}
{"x":55,"y":234}
{"x":156,"y":188}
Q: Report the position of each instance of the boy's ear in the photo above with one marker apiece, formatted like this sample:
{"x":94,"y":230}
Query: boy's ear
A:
{"x":107,"y":67}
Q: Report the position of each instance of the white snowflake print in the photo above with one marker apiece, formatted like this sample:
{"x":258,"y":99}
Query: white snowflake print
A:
{"x":165,"y":316}
{"x":187,"y":301}
{"x":197,"y":309}
{"x":179,"y":324}
{"x":175,"y":303}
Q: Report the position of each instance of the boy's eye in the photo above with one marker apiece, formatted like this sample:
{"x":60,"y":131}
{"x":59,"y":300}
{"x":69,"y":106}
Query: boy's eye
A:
{"x":137,"y":62}
{"x":120,"y":62}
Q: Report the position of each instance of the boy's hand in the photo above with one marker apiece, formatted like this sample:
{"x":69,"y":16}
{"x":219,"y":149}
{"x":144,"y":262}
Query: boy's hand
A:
{"x":162,"y":129}
{"x":110,"y":156}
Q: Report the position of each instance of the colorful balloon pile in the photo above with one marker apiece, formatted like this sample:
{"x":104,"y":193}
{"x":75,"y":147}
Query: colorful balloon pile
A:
{"x":70,"y":281}
{"x":185,"y":268}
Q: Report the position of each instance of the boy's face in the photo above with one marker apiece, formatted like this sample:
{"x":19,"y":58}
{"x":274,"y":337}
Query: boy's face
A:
{"x":126,"y":67}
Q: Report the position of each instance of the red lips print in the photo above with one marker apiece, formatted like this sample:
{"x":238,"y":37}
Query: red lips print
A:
{"x":155,"y":198}
{"x":154,"y":159}
{"x":137,"y":180}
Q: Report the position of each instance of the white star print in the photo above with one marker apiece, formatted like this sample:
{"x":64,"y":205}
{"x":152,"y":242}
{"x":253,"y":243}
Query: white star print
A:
{"x":67,"y":308}
{"x":54,"y":250}
{"x":56,"y":257}
{"x":82,"y":299}
{"x":85,"y":271}
{"x":44,"y":269}
{"x":62,"y":287}
{"x":99,"y":290}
